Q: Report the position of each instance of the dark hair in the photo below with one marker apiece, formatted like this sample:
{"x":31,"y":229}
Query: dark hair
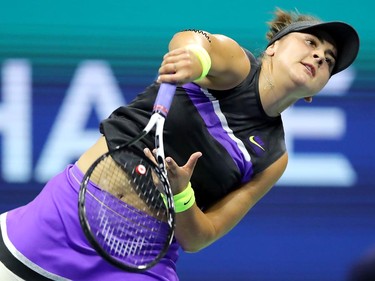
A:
{"x":283,"y":18}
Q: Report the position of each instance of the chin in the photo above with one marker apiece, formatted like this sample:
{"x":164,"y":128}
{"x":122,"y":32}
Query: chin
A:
{"x":301,"y":80}
{"x":307,"y":84}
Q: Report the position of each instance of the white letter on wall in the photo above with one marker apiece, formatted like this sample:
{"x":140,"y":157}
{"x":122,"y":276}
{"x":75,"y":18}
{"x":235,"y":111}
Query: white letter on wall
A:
{"x":15,"y":121}
{"x":93,"y":88}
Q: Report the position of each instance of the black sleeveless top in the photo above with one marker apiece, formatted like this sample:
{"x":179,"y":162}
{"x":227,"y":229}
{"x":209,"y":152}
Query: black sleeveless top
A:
{"x":230,"y":128}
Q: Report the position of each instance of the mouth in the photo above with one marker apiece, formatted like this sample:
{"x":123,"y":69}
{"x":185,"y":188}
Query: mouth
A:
{"x":310,"y":69}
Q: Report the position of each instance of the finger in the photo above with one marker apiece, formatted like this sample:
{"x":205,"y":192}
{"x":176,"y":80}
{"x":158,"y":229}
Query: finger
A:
{"x":190,"y":164}
{"x":174,"y":56}
{"x":171,"y":164}
{"x":172,"y":79}
{"x":169,"y":68}
{"x":149,"y":154}
{"x":168,"y":78}
{"x":175,"y":52}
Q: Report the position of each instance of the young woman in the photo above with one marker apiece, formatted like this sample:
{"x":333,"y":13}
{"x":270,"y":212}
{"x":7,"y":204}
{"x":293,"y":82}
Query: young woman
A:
{"x":223,"y":133}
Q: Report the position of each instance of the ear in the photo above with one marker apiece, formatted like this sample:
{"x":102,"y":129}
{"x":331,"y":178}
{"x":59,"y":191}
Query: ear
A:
{"x":270,"y":51}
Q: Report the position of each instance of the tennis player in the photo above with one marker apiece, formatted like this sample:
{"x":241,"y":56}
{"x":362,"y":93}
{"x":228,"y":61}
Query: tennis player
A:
{"x":223,"y":134}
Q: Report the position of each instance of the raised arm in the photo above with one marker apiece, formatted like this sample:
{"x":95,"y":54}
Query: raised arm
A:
{"x":229,"y":63}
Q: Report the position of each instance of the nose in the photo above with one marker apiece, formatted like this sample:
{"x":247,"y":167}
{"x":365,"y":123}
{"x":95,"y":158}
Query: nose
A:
{"x":318,"y":59}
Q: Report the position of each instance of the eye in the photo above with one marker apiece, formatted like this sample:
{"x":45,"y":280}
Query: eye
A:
{"x":330,"y":61}
{"x":311,"y":42}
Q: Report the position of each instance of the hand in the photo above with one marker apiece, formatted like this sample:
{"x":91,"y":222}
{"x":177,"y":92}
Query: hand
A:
{"x":179,"y":176}
{"x":179,"y":66}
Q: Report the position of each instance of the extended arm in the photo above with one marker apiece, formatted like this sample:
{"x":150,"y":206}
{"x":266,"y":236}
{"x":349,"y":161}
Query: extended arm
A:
{"x":196,"y":229}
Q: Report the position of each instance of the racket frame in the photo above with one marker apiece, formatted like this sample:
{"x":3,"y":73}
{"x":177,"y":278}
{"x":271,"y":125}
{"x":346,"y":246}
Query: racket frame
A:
{"x":161,"y":108}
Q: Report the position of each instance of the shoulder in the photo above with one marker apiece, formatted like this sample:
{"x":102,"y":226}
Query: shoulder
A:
{"x":230,"y":63}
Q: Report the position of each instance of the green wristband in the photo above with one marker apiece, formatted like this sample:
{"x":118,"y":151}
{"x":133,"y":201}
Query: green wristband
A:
{"x":184,"y":200}
{"x":203,"y":57}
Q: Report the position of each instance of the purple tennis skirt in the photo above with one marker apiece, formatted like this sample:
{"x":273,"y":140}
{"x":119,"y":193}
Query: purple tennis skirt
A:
{"x":45,"y":238}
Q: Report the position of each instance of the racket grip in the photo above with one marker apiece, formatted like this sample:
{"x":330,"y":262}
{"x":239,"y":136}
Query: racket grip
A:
{"x":164,"y":98}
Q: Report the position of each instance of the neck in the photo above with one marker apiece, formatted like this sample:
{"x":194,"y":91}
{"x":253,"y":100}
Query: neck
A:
{"x":274,"y":95}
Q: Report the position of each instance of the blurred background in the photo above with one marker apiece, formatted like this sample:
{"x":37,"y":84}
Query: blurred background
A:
{"x":65,"y":65}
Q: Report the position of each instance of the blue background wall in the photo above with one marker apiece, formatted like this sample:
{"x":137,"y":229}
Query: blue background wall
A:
{"x":65,"y":66}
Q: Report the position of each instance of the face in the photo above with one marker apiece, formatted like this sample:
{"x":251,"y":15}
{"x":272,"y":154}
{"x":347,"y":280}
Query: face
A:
{"x":304,"y":60}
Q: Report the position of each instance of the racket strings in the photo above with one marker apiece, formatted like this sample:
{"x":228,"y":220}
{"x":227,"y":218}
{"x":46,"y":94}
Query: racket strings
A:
{"x":126,"y":210}
{"x":128,"y":239}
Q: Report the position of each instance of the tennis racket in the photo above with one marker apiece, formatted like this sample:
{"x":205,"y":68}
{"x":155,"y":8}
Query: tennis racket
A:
{"x":126,"y":205}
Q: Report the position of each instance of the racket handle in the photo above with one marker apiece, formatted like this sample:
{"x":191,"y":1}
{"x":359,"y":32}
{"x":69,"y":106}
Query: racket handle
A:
{"x":164,"y":98}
